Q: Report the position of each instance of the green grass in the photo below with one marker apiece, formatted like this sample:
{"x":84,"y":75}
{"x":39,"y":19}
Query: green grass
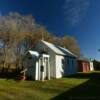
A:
{"x":76,"y":87}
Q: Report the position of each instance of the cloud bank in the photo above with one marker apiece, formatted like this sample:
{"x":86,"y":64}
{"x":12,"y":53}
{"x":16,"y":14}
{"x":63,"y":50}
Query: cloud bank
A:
{"x":75,"y":10}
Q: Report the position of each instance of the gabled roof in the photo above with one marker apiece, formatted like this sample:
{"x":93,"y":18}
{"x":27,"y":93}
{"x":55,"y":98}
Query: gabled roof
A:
{"x":53,"y":47}
{"x":33,"y":53}
{"x":83,"y":59}
{"x":66,"y":51}
{"x":58,"y":49}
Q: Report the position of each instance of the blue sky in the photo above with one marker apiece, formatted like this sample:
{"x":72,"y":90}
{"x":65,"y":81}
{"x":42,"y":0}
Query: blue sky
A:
{"x":80,"y":18}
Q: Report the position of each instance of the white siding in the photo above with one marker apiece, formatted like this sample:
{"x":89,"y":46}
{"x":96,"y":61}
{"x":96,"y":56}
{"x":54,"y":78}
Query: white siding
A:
{"x":59,"y":66}
{"x":40,"y":46}
{"x":37,"y":71}
{"x":52,"y":65}
{"x":56,"y":66}
{"x":91,"y":66}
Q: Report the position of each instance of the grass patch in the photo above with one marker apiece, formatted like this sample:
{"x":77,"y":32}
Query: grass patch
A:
{"x":75,"y":87}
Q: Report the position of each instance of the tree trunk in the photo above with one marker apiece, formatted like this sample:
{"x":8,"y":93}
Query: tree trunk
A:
{"x":5,"y":58}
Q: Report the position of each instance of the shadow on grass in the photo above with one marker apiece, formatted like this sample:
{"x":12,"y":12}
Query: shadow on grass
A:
{"x":8,"y":74}
{"x":86,"y":91}
{"x":90,"y":75}
{"x":12,"y":74}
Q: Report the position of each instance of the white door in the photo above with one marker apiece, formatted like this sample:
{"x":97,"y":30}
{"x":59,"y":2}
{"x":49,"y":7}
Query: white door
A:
{"x":43,"y":70}
{"x":46,"y":67}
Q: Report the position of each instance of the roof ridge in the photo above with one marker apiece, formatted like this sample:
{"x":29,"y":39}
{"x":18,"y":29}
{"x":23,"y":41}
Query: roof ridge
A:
{"x":58,"y":49}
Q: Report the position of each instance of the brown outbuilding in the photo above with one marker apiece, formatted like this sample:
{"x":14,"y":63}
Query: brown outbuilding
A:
{"x":83,"y":65}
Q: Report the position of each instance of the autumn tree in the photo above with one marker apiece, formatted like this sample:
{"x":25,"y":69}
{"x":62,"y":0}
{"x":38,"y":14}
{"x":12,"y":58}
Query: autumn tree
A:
{"x":15,"y":31}
{"x":68,"y":42}
{"x":19,"y":33}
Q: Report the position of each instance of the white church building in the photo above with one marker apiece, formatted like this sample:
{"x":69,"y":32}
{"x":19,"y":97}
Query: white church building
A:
{"x":47,"y":61}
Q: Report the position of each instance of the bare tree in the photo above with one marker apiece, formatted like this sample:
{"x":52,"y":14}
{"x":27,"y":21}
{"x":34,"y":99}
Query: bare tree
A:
{"x":19,"y":33}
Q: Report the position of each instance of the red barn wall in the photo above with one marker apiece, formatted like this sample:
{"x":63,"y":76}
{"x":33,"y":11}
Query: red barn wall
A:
{"x":83,"y":66}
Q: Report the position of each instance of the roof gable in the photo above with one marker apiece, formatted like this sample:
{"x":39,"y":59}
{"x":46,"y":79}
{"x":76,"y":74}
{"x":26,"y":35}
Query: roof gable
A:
{"x":66,"y":51}
{"x":53,"y":47}
{"x":58,"y":49}
{"x":83,"y":59}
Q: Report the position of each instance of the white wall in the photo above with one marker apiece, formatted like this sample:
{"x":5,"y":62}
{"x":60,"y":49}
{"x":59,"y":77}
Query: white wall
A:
{"x":52,"y":64}
{"x":91,"y":66}
{"x":40,"y":46}
{"x":37,"y":71}
{"x":59,"y":66}
{"x":56,"y":70}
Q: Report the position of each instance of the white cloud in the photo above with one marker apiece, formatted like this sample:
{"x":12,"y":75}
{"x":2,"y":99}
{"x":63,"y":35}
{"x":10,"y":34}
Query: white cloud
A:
{"x":75,"y":10}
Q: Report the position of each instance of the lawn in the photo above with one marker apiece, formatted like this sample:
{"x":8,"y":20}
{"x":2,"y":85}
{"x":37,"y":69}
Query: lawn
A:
{"x":80,"y":86}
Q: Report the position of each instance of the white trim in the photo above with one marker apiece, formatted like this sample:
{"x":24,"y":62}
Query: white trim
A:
{"x":36,"y":71}
{"x":53,"y":47}
{"x":39,"y":70}
{"x":48,"y":70}
{"x":46,"y":55}
{"x":33,"y":53}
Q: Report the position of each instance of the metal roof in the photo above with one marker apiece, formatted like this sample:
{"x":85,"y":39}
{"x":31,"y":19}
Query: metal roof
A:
{"x":34,"y":53}
{"x":67,"y":52}
{"x":58,"y":49}
{"x":53,"y":47}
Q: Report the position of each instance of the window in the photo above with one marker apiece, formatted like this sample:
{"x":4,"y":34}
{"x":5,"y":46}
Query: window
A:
{"x":42,"y":68}
{"x":63,"y":63}
{"x":45,"y":58}
{"x":44,"y":50}
{"x":29,"y":57}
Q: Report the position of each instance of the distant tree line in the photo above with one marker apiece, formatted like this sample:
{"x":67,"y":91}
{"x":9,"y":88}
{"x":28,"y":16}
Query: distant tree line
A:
{"x":96,"y":65}
{"x":19,"y":33}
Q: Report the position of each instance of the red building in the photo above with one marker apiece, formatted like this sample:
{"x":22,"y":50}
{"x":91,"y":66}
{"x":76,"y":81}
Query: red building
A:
{"x":83,"y":65}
